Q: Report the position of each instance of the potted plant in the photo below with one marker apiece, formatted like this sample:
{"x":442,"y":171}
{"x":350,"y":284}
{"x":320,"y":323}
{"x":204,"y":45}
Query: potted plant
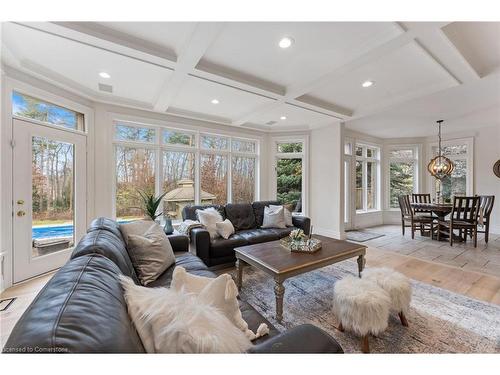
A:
{"x":150,"y":204}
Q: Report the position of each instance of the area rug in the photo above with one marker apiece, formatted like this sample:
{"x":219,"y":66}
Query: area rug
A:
{"x":362,"y":235}
{"x":440,"y":321}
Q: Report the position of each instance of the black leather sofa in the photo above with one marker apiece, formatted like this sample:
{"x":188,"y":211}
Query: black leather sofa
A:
{"x":247,"y":221}
{"x":82,"y":308}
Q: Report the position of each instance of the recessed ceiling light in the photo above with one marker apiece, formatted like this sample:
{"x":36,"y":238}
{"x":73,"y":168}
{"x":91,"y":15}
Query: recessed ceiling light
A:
{"x":283,"y":118}
{"x":104,"y":75}
{"x":215,"y":101}
{"x":367,"y":83}
{"x":286,"y":42}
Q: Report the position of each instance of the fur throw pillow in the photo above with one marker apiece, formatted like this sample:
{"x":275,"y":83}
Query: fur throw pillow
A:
{"x":221,"y":292}
{"x":170,"y":321}
{"x":208,"y":218}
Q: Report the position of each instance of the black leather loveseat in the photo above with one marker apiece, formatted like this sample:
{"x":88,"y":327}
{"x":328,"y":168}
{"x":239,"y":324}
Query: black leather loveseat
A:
{"x":247,"y":221}
{"x":82,"y":308}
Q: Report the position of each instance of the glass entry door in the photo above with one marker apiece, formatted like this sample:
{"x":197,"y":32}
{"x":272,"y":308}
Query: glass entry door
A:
{"x":49,"y":190}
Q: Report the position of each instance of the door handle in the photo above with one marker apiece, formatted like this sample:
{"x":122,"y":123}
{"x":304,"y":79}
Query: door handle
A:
{"x":20,"y":201}
{"x":21,"y":213}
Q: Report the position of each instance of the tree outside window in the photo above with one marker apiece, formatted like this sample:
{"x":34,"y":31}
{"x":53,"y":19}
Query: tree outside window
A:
{"x":402,"y":176}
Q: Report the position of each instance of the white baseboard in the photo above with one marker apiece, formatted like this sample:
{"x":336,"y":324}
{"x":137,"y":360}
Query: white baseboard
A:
{"x":330,"y":233}
{"x":495,"y":229}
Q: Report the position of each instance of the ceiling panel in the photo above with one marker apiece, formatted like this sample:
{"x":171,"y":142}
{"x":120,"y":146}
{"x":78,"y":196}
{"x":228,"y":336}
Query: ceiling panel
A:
{"x":252,"y":48}
{"x":295,"y":117}
{"x":79,"y":65}
{"x":478,"y":42}
{"x":170,"y":35}
{"x":196,"y":95}
{"x":401,"y":75}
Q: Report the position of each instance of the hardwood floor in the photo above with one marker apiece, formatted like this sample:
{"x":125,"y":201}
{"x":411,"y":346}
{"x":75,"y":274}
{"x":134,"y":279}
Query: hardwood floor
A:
{"x":485,"y":258}
{"x":470,"y":283}
{"x":24,"y":293}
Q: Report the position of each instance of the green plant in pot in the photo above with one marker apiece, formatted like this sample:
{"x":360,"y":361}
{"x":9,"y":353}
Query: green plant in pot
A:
{"x":150,"y":204}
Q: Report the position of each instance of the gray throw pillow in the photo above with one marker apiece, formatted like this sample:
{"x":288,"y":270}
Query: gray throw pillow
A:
{"x":288,"y":215}
{"x":151,"y":253}
{"x":137,"y":227}
{"x":274,"y":217}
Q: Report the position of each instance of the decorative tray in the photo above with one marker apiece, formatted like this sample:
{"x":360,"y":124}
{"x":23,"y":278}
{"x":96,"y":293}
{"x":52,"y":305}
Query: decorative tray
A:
{"x":301,"y":246}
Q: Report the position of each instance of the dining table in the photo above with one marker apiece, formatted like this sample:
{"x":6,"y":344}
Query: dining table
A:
{"x":441,"y":210}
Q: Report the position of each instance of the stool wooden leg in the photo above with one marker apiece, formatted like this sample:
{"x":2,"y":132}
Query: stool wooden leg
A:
{"x":402,"y":317}
{"x":341,"y":327}
{"x":365,"y":346}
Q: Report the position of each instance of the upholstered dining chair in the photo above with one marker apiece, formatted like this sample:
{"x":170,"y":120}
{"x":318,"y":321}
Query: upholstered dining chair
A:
{"x":408,"y":215}
{"x":485,"y":208}
{"x":463,"y":217}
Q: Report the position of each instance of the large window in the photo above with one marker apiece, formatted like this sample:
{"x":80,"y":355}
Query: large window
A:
{"x":460,"y":182}
{"x":135,"y":171}
{"x":193,"y":168}
{"x":367,"y":177}
{"x":289,"y":174}
{"x":36,"y":109}
{"x":403,"y":162}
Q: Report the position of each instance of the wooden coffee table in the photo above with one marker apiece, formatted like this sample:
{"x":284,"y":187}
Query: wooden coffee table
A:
{"x":281,"y":263}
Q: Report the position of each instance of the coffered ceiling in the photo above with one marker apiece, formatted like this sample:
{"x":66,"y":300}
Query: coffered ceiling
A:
{"x":182,"y":67}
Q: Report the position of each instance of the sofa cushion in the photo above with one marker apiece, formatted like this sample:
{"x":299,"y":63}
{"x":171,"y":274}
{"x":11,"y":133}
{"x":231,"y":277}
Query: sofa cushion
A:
{"x":254,"y":320}
{"x":241,"y":215}
{"x":254,"y":236}
{"x":190,"y":262}
{"x":189,"y":212}
{"x":258,"y":210}
{"x":283,"y":232}
{"x":221,"y":247}
{"x":81,"y":310}
{"x":107,"y":244}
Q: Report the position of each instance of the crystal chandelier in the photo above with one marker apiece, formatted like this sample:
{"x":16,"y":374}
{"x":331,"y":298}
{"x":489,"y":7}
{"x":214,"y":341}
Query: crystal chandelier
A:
{"x":440,"y":166}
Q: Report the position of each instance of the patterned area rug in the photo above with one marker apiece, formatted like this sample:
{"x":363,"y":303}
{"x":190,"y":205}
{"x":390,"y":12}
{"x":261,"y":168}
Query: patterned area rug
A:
{"x":440,"y":321}
{"x":362,"y":236}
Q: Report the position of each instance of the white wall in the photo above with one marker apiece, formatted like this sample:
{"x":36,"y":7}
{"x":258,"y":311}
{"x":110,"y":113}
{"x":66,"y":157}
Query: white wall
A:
{"x":326,"y":181}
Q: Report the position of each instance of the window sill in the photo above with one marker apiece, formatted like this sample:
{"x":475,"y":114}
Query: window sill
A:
{"x":368,"y":212}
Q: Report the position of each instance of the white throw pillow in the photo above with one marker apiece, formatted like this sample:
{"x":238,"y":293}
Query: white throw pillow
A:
{"x":151,"y":253}
{"x":274,"y":217}
{"x":208,"y":218}
{"x":221,"y":292}
{"x":225,"y":228}
{"x":169,"y":321}
{"x":287,"y":213}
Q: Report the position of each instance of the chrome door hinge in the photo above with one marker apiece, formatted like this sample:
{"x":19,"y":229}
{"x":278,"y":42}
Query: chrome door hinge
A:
{"x":12,"y":143}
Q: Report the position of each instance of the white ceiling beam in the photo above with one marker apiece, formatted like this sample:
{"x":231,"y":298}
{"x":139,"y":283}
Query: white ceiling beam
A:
{"x":202,"y":37}
{"x":146,"y":55}
{"x":117,"y":37}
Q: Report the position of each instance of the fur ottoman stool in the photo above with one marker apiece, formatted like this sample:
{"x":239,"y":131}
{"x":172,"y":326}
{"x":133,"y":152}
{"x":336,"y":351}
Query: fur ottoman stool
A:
{"x":362,"y":307}
{"x":396,"y":285}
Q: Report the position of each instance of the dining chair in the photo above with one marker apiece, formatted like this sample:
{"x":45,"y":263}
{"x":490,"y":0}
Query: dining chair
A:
{"x":485,"y":208}
{"x":408,"y":215}
{"x":422,"y":198}
{"x":463,"y":217}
